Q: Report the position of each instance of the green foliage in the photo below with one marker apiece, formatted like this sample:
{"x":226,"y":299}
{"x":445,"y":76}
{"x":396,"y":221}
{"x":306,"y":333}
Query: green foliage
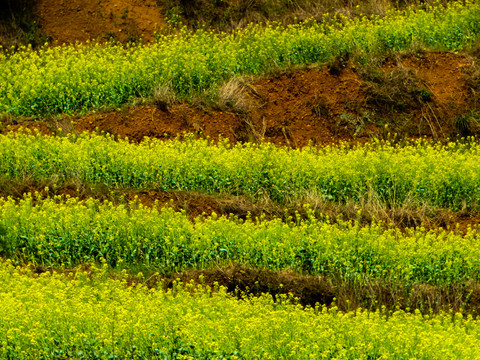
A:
{"x":78,"y":78}
{"x":420,"y":173}
{"x":53,"y":233}
{"x":86,"y":316}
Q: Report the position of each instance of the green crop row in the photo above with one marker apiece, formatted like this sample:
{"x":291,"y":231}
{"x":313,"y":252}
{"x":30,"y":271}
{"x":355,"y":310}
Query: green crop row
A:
{"x":90,"y":317}
{"x":56,"y":233}
{"x":420,"y":173}
{"x":78,"y":78}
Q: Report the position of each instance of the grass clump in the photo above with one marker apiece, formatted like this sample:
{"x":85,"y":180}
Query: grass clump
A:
{"x":395,"y":91}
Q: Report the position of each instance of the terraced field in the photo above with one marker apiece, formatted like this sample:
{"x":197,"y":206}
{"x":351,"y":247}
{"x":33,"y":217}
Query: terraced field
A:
{"x":291,"y":190}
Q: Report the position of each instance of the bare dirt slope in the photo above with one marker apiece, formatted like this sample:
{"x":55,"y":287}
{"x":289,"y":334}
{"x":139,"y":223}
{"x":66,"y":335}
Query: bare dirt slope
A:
{"x":69,"y":21}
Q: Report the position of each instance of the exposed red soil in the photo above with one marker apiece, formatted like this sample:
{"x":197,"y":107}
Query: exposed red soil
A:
{"x":444,"y":76}
{"x":69,"y":21}
{"x":296,"y":108}
{"x":136,"y":123}
{"x":308,"y":289}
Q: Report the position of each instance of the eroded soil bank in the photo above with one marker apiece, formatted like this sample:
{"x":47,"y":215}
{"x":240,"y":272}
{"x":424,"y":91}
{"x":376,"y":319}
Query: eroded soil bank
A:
{"x":427,"y":94}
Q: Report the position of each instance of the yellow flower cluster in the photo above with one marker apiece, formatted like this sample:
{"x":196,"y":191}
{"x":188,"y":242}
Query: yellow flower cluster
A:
{"x":77,"y":78}
{"x":84,"y":316}
{"x":420,"y":173}
{"x":66,"y":234}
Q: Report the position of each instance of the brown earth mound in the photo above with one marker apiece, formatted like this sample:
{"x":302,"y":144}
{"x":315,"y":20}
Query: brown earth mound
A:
{"x":442,"y":89}
{"x":151,"y":121}
{"x":69,"y":21}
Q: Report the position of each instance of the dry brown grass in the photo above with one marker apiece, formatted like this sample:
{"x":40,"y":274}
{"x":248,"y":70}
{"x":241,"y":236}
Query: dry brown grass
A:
{"x":473,"y":80}
{"x":232,"y":97}
{"x":398,"y":90}
{"x":163,"y":98}
{"x":371,"y":209}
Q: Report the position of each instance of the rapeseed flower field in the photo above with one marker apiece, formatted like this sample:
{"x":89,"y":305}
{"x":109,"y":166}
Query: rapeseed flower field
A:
{"x":73,"y":272}
{"x":85,"y":317}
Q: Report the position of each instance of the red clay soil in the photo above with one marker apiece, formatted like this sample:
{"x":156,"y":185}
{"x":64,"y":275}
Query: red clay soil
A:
{"x":69,"y":21}
{"x":444,"y":76}
{"x":283,"y":110}
{"x":296,"y":108}
{"x":136,"y":123}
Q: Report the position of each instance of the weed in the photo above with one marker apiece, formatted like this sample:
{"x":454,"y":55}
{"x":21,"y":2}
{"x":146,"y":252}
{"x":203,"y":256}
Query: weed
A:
{"x":18,"y":25}
{"x":396,"y":90}
{"x":425,"y":95}
{"x":233,"y":97}
{"x":468,"y":124}
{"x":319,"y":106}
{"x":163,"y":98}
{"x":473,"y":80}
{"x":337,"y":65}
{"x":226,"y":15}
{"x":355,"y":123}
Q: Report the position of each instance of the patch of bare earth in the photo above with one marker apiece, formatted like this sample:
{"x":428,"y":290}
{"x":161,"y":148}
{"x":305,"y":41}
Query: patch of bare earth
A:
{"x":151,"y":121}
{"x":69,"y":21}
{"x":444,"y":77}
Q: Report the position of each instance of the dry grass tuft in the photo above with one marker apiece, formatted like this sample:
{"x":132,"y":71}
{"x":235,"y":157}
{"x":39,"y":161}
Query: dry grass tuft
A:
{"x":399,"y":90}
{"x":232,"y":96}
{"x":163,"y":98}
{"x":408,"y":214}
{"x":473,"y":80}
